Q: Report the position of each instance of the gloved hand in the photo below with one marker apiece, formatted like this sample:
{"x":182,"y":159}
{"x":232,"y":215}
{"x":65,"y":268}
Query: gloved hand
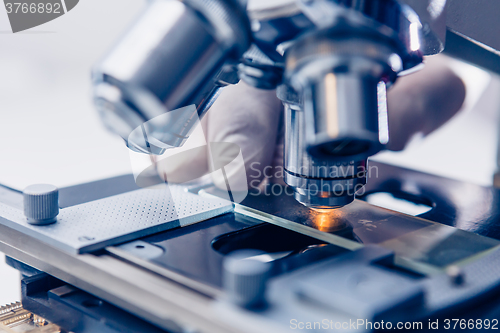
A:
{"x":252,"y":119}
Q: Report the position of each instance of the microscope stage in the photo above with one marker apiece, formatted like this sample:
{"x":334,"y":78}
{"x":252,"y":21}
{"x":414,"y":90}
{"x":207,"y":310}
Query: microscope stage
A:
{"x":93,"y":225}
{"x":176,"y":265}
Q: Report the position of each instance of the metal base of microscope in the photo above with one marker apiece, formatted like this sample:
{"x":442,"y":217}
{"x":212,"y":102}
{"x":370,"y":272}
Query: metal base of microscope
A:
{"x":171,"y":281}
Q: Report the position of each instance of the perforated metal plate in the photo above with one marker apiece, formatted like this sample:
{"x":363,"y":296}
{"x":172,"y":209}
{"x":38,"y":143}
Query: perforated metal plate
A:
{"x":96,"y":224}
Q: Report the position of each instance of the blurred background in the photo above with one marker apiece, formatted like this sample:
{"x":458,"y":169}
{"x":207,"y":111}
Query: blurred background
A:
{"x":50,"y":132}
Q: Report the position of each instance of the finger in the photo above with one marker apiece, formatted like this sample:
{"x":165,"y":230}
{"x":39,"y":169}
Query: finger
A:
{"x":249,"y":118}
{"x":423,"y":101}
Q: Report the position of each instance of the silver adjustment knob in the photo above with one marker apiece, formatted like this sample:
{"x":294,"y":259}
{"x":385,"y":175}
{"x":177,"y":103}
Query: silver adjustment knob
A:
{"x":245,"y":278}
{"x":41,"y":203}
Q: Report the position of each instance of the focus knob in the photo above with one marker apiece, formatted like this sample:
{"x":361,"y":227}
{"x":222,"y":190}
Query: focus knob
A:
{"x":245,"y":278}
{"x":41,"y":203}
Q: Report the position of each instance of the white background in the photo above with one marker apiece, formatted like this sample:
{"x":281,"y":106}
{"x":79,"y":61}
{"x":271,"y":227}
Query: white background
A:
{"x":50,"y":133}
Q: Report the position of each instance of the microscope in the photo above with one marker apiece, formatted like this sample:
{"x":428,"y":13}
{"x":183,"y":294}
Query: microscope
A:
{"x":330,"y":62}
{"x":115,"y":256}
